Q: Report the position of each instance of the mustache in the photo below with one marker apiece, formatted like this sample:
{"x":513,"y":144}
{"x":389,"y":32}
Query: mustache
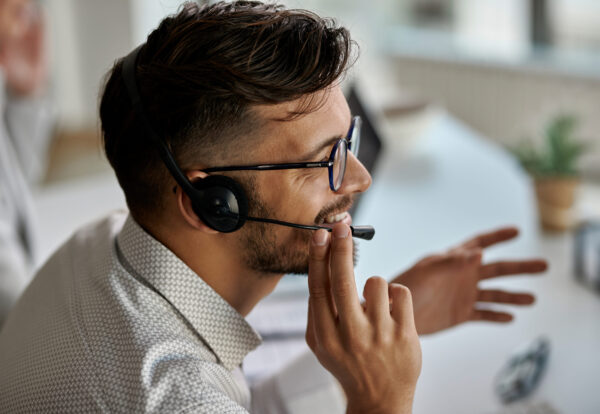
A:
{"x":342,"y":204}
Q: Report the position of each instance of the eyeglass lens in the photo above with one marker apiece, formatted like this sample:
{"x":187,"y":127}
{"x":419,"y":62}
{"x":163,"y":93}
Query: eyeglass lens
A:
{"x":341,"y":154}
{"x":339,"y":165}
{"x":355,"y":136}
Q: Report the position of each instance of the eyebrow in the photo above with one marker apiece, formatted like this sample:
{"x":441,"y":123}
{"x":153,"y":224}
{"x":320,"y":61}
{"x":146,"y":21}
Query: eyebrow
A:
{"x":314,"y":153}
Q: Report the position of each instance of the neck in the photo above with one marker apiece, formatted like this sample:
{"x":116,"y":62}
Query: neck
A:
{"x":226,"y":275}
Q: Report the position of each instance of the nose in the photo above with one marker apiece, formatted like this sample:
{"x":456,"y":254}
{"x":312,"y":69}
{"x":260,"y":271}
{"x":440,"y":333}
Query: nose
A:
{"x":356,"y":178}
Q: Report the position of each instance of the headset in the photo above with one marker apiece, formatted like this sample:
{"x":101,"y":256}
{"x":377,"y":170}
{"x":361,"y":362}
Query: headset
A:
{"x":219,"y":201}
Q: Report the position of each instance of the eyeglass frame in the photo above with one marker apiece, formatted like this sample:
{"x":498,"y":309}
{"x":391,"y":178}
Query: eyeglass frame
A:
{"x":347,"y":142}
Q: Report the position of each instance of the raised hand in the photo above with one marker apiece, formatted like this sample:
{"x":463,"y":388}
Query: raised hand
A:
{"x":372,"y":349}
{"x":445,"y":288}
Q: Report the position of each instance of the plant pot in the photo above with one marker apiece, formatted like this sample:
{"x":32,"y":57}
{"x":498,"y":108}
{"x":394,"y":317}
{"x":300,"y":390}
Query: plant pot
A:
{"x":555,"y":199}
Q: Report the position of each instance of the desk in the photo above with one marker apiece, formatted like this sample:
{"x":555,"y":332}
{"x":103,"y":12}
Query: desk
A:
{"x":450,"y":185}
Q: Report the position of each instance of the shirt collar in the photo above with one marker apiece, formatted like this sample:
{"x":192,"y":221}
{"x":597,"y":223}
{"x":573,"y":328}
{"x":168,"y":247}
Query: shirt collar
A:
{"x":223,"y":329}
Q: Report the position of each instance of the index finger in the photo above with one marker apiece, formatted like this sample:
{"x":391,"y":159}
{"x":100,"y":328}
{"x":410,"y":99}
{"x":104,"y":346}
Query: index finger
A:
{"x":319,"y":286}
{"x":343,"y":286}
{"x":516,"y":267}
{"x":490,"y":238}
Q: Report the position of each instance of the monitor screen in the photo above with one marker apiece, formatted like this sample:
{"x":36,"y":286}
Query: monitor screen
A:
{"x":370,"y":143}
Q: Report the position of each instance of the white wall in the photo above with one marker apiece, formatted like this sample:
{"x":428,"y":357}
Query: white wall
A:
{"x":503,"y":103}
{"x":87,"y":36}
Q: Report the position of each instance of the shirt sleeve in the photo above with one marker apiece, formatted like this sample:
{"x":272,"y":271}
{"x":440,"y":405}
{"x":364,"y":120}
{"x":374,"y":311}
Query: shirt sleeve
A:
{"x":29,"y":122}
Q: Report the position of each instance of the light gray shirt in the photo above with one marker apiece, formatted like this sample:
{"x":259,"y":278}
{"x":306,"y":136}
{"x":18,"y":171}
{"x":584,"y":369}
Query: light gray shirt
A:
{"x":25,"y":125}
{"x":115,"y":322}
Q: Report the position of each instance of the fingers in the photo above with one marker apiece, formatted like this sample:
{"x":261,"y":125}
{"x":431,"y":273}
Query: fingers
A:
{"x":505,"y":268}
{"x":500,"y":296}
{"x":343,"y":286}
{"x":488,"y":239}
{"x":490,"y":316}
{"x":402,"y":306}
{"x":377,"y":304}
{"x":319,"y":287}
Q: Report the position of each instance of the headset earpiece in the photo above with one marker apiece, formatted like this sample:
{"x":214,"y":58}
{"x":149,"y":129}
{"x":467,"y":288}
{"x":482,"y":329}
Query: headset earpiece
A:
{"x":220,"y":202}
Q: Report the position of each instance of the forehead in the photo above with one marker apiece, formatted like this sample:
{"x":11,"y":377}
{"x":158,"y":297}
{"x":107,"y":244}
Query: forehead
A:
{"x":286,"y":140}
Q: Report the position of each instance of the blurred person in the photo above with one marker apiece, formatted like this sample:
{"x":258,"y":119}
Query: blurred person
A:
{"x":145,"y":311}
{"x":24,"y":135}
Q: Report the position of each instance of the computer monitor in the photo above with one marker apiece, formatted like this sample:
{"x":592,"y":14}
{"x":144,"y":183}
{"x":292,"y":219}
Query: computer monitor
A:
{"x":370,"y":143}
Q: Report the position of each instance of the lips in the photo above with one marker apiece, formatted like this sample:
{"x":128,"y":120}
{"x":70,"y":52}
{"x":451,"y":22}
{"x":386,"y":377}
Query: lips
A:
{"x":337,"y":212}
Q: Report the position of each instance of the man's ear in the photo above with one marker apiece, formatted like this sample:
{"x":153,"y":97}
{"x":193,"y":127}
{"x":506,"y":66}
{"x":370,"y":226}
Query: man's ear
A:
{"x":184,"y":203}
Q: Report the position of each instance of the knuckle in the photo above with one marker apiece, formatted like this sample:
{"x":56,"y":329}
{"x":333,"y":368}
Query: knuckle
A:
{"x":387,"y":339}
{"x":400,"y":291}
{"x":406,"y":335}
{"x":343,"y":289}
{"x":318,"y":292}
{"x":374,"y":284}
{"x":377,"y":282}
{"x":358,"y":344}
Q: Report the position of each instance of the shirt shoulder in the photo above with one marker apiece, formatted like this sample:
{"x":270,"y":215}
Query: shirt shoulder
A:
{"x":88,"y":335}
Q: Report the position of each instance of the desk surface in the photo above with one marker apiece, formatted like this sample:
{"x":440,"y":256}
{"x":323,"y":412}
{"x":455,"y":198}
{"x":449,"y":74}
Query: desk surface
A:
{"x":449,"y":185}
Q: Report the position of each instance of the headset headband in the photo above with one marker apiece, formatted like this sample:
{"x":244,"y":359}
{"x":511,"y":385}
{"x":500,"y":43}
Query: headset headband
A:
{"x":128,"y":72}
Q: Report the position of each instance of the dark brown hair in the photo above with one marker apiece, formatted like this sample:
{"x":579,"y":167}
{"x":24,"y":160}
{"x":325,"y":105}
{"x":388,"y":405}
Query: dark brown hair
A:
{"x":200,"y":72}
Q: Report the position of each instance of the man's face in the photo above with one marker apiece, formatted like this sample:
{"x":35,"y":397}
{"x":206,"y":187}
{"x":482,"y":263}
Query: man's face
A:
{"x":299,"y":195}
{"x":15,"y":17}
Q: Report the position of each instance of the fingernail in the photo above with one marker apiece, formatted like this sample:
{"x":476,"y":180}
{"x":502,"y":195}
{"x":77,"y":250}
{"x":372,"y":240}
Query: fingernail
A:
{"x":340,"y":232}
{"x":320,"y":237}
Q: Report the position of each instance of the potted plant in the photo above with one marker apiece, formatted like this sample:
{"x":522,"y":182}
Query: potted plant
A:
{"x":554,"y":170}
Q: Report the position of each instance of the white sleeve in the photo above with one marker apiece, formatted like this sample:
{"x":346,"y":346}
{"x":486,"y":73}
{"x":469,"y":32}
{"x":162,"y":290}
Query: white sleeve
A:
{"x":29,"y":122}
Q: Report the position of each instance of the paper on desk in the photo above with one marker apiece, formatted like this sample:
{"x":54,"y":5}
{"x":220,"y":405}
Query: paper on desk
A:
{"x":284,"y":375}
{"x":284,"y":316}
{"x":302,"y":387}
{"x":282,"y":323}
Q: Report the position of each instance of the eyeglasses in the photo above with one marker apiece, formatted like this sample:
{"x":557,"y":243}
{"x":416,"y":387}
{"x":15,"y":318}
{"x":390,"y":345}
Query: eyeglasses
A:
{"x":336,"y":164}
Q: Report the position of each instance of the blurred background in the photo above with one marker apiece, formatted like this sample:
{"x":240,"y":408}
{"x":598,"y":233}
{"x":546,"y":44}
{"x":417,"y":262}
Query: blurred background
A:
{"x":489,"y":113}
{"x":505,"y":67}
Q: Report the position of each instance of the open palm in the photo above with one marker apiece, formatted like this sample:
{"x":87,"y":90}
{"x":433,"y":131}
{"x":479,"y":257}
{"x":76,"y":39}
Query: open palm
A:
{"x":445,"y":288}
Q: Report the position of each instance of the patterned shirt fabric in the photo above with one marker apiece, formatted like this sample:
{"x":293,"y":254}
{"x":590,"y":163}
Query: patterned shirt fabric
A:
{"x":115,"y":322}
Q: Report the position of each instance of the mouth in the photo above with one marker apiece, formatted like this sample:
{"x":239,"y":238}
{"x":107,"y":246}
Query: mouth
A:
{"x":336,"y":213}
{"x":341,"y":217}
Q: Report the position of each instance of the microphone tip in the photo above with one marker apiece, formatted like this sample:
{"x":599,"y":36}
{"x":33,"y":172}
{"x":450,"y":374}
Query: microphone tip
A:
{"x":363,"y":232}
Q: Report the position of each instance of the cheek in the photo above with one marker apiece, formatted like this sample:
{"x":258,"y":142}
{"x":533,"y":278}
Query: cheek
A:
{"x":307,"y":198}
{"x":296,"y":197}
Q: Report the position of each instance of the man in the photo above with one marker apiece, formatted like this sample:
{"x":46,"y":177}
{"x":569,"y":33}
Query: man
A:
{"x":24,"y":132}
{"x":229,"y":119}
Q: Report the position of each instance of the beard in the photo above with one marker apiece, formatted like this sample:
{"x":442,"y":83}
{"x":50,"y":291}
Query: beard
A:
{"x":264,"y":253}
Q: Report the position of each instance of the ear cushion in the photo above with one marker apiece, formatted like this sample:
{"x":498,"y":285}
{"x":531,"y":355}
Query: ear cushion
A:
{"x":220,"y":202}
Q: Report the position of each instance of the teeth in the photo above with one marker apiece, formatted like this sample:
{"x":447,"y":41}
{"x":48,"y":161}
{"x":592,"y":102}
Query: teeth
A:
{"x":335,"y":218}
